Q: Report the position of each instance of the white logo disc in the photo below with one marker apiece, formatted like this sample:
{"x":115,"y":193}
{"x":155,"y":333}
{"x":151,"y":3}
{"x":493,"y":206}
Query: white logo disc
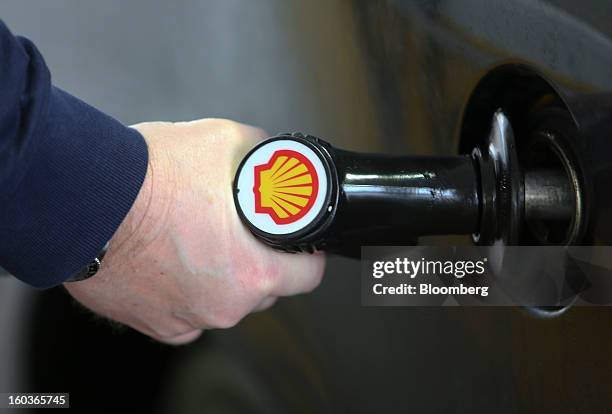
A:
{"x":282,"y":187}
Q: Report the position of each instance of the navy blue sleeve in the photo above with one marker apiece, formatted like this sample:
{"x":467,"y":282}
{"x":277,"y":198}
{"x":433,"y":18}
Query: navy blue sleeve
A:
{"x":68,"y":173}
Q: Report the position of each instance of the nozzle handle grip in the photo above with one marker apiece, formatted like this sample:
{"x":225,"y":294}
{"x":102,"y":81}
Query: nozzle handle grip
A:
{"x":297,"y":192}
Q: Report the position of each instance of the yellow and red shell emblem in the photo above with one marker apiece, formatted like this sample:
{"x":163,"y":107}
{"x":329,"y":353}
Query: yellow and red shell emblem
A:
{"x":286,"y":187}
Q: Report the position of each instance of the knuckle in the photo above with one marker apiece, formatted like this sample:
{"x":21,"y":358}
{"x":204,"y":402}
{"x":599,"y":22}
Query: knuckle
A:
{"x":241,"y":133}
{"x":216,"y":311}
{"x":263,"y":284}
{"x":263,"y":279}
{"x":227,"y":126}
{"x":219,"y":128}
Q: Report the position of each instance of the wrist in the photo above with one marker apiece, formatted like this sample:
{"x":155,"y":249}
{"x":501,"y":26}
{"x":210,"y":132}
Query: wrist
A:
{"x":125,"y":235}
{"x":147,"y":217}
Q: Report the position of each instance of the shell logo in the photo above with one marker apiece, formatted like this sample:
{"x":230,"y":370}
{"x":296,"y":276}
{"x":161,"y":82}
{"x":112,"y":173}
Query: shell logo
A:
{"x":286,"y":187}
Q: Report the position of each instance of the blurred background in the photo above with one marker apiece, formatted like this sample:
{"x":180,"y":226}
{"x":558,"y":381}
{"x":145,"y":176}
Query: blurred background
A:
{"x":374,"y":76}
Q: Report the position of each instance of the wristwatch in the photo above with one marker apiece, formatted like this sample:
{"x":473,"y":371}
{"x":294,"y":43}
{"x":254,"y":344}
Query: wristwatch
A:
{"x":91,"y":269}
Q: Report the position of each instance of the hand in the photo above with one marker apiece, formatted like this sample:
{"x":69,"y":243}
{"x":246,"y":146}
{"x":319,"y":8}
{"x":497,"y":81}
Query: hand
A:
{"x":182,"y":261}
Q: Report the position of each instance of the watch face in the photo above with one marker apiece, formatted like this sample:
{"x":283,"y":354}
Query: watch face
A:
{"x":281,"y":186}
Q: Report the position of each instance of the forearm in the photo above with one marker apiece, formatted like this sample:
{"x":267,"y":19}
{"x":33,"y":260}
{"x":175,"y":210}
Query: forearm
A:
{"x":69,"y":174}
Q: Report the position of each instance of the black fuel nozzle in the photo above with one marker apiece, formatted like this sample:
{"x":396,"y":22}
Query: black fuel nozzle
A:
{"x":296,"y":192}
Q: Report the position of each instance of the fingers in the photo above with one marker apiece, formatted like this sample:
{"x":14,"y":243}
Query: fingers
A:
{"x":299,"y":273}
